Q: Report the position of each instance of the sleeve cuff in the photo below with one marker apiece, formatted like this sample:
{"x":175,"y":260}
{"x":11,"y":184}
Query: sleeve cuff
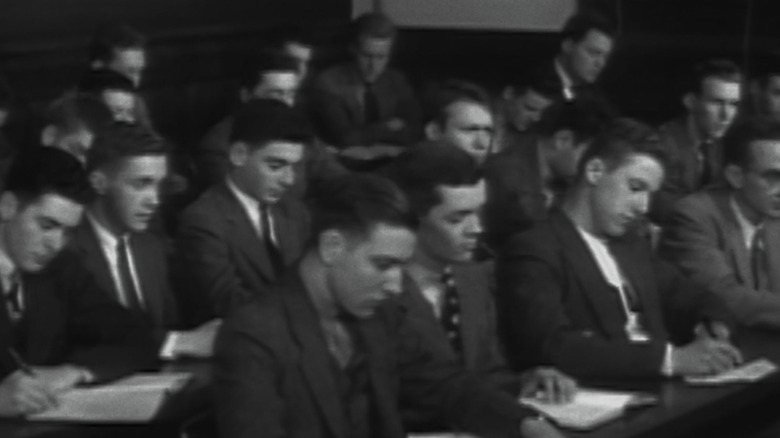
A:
{"x":667,"y":369}
{"x":168,"y":351}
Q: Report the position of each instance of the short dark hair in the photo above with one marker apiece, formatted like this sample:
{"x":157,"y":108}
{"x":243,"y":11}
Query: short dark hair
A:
{"x":578,"y":25}
{"x":722,"y":69}
{"x":423,"y":169}
{"x":766,"y":68}
{"x":356,"y":203}
{"x":124,"y":140}
{"x":73,"y":111}
{"x":541,"y":81}
{"x":266,"y":61}
{"x":442,"y":95}
{"x":622,"y":138}
{"x":112,"y":37}
{"x":585,"y":117}
{"x":737,"y":141}
{"x":260,"y":121}
{"x":372,"y":25}
{"x":96,"y":81}
{"x":40,"y":170}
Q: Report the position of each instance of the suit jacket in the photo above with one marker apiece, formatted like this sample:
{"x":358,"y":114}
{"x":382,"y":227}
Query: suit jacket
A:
{"x":683,"y":172}
{"x":705,"y":240}
{"x":151,"y":266}
{"x":482,"y":351}
{"x":220,"y":257}
{"x":515,"y":197}
{"x":339,"y":116}
{"x":559,"y":308}
{"x":274,"y":375}
{"x":319,"y":164}
{"x":68,"y":319}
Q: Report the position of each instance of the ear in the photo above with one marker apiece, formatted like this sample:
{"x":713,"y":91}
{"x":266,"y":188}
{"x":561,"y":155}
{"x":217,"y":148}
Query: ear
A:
{"x":239,"y":153}
{"x":245,"y":95}
{"x":332,"y":245}
{"x":595,"y":169}
{"x":9,"y":206}
{"x":567,"y":45}
{"x":48,"y":135}
{"x":99,"y":181}
{"x":689,"y":100}
{"x":734,"y":176}
{"x":433,"y":131}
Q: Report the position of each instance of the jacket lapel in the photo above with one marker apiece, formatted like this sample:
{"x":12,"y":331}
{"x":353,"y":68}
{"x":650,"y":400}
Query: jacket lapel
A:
{"x":243,"y":233}
{"x":640,"y":275}
{"x":732,"y":233}
{"x":316,"y":361}
{"x":94,"y":259}
{"x":147,"y":271}
{"x":471,"y":314}
{"x":588,"y":274}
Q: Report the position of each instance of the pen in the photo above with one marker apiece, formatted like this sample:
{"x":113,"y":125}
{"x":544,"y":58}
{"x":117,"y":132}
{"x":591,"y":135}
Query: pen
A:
{"x":20,"y":362}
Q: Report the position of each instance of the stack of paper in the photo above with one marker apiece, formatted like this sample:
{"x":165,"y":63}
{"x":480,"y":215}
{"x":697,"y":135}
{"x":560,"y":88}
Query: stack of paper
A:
{"x":589,"y":408}
{"x":749,"y":372}
{"x":135,"y":399}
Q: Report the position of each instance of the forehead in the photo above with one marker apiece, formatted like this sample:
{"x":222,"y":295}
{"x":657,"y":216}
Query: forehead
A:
{"x":387,"y":241}
{"x":468,"y":113}
{"x":144,"y":165}
{"x":375,"y":46}
{"x":278,"y":79}
{"x":714,"y":87}
{"x":642,"y":167}
{"x":56,"y":207}
{"x":135,"y":57}
{"x":596,"y":39}
{"x":298,"y":50}
{"x":765,"y":154}
{"x":535,"y":100}
{"x":279,"y":150}
{"x":118,"y":96}
{"x":459,"y":198}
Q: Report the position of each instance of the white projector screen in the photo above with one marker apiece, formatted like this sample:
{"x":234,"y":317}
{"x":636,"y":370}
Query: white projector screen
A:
{"x":530,"y":15}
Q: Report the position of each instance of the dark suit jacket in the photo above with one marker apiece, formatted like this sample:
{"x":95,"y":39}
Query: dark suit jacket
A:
{"x":704,"y":239}
{"x":683,"y":175}
{"x":68,"y":319}
{"x":274,"y":376}
{"x":559,"y":309}
{"x":151,"y":265}
{"x":482,"y":351}
{"x":212,"y":156}
{"x":515,"y":198}
{"x":339,"y":115}
{"x":220,"y":257}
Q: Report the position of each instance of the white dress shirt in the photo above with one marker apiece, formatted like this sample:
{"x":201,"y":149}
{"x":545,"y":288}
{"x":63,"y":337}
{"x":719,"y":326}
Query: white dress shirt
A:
{"x":252,"y":209}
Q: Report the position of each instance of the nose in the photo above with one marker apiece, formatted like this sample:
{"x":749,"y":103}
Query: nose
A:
{"x":643,"y":204}
{"x":153,"y":198}
{"x":392,"y":285}
{"x":56,"y":241}
{"x":474,"y":226}
{"x":288,"y":177}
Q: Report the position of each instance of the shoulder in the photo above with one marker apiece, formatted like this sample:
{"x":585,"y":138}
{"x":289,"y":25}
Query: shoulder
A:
{"x":542,"y":238}
{"x":337,"y":75}
{"x":262,"y":318}
{"x":701,"y":204}
{"x":209,"y":205}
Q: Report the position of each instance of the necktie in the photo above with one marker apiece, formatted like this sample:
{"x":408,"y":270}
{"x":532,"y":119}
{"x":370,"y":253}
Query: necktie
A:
{"x":758,"y":261}
{"x":370,"y":104}
{"x":13,"y":299}
{"x":450,"y":312}
{"x":705,"y":156}
{"x":274,"y":256}
{"x":132,"y":300}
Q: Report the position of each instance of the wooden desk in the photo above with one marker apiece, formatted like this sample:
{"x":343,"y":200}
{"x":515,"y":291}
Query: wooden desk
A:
{"x":738,"y":410}
{"x":194,"y":398}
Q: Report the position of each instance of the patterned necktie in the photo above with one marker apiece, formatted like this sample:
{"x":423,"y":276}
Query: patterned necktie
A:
{"x":450,"y":312}
{"x":758,"y":260}
{"x":274,"y":255}
{"x":132,"y":301}
{"x":370,"y":104}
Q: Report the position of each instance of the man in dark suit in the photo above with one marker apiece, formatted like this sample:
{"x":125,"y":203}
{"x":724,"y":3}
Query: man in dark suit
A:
{"x":449,"y":295}
{"x":363,"y":102}
{"x":330,"y":353}
{"x":587,"y":40}
{"x":270,"y":75}
{"x":583,"y":292}
{"x":127,"y":169}
{"x":727,"y":238}
{"x":54,"y":318}
{"x":692,"y":142}
{"x":527,"y":178}
{"x":521,"y":106}
{"x":241,"y":234}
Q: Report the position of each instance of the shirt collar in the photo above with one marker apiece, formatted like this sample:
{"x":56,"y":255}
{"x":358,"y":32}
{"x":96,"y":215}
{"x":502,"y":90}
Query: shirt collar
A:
{"x":748,"y":228}
{"x":7,"y":266}
{"x":105,"y":237}
{"x":250,"y":204}
{"x":566,"y":80}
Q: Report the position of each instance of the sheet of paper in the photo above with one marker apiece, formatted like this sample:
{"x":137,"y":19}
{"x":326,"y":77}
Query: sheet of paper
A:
{"x":588,"y":409}
{"x":749,"y":372}
{"x":135,"y":399}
